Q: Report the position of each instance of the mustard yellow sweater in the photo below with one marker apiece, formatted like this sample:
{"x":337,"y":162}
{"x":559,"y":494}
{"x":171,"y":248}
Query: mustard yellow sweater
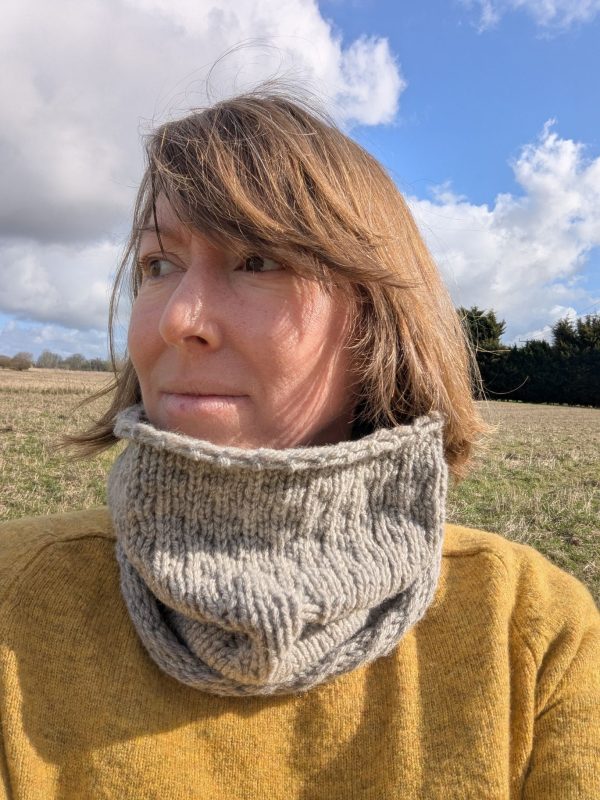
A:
{"x":494,"y":694}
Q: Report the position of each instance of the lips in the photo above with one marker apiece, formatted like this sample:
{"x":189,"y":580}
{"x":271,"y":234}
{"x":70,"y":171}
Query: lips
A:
{"x":204,"y":392}
{"x":195,"y":407}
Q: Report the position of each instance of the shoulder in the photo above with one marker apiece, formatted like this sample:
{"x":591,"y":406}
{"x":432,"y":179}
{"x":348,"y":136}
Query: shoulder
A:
{"x":507,"y":599}
{"x":526,"y":570}
{"x":26,"y":542}
{"x":541,"y":602}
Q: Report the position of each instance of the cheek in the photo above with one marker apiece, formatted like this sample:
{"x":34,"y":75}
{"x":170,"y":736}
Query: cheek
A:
{"x":326,"y":325}
{"x":141,"y":336}
{"x":309,"y":343}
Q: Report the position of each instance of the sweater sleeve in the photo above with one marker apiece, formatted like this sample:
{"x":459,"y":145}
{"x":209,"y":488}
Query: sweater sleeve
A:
{"x":4,"y":782}
{"x":562,"y":630}
{"x":21,"y":541}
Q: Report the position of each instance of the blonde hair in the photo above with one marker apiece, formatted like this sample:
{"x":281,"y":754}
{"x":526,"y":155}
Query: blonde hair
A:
{"x":264,"y":174}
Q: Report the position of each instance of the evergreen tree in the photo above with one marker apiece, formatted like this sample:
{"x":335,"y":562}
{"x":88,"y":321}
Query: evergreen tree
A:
{"x":483,"y":329}
{"x":588,"y":333}
{"x":565,"y":339}
{"x":566,"y":371}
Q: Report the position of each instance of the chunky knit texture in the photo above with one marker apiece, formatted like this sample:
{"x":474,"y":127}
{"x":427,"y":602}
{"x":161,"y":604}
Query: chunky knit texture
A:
{"x":270,"y":571}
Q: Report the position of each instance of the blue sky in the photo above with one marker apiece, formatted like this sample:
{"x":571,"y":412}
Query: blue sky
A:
{"x":485,"y":112}
{"x":474,"y":99}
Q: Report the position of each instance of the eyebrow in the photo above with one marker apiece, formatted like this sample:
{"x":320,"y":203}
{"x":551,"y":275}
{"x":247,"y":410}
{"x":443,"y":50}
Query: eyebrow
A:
{"x":163,"y":230}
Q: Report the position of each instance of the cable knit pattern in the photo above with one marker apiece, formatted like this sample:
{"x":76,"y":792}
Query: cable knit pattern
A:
{"x":257,"y":572}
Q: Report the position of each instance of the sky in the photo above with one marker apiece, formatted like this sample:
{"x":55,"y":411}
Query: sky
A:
{"x":485,"y":113}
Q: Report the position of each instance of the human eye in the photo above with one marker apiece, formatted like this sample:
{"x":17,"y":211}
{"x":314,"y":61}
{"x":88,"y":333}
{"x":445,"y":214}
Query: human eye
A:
{"x":260,"y":264}
{"x":156,"y":267}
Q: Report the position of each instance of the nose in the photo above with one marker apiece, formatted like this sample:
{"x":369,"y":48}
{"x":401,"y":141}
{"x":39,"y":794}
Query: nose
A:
{"x":190,"y":319}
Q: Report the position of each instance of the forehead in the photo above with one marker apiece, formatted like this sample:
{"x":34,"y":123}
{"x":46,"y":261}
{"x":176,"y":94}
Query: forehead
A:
{"x":170,"y":228}
{"x":166,"y":220}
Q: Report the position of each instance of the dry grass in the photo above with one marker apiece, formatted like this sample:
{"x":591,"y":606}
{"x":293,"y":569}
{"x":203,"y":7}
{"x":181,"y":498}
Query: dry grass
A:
{"x":36,"y":408}
{"x":538,"y":482}
{"x":53,"y":381}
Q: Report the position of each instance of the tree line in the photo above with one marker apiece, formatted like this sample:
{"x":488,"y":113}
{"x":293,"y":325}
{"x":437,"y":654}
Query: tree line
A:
{"x":49,"y":360}
{"x":565,"y":370}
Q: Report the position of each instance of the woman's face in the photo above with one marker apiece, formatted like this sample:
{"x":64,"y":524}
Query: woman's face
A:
{"x":237,"y":352}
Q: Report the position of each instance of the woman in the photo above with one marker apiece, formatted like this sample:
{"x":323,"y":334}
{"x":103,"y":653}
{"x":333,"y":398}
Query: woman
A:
{"x":271,"y":605}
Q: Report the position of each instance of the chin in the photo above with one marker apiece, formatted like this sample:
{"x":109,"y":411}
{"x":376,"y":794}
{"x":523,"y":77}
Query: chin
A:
{"x":220,"y":421}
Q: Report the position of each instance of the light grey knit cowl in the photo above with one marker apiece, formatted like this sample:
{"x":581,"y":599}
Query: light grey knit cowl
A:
{"x":259,"y":572}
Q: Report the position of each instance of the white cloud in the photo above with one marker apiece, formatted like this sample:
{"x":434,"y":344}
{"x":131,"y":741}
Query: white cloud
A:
{"x":56,"y":283}
{"x":551,"y":15}
{"x":77,"y":79}
{"x":545,"y":333}
{"x":524,"y":255}
{"x":33,"y":338}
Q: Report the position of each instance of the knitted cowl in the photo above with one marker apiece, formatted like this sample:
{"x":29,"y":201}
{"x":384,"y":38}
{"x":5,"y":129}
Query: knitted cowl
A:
{"x":258,"y":572}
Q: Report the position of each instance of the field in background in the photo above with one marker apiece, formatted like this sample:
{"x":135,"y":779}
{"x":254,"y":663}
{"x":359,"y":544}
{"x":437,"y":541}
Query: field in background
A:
{"x":36,"y":408}
{"x":537,"y":482}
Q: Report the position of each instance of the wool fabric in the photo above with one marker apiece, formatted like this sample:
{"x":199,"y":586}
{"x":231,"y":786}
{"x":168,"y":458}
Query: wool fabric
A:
{"x":271,"y":571}
{"x":494,"y":693}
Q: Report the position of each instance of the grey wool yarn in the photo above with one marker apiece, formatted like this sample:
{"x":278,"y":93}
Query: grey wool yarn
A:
{"x":259,"y":572}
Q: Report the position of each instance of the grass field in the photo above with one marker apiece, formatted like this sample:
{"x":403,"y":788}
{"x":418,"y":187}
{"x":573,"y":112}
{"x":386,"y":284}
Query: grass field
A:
{"x":537,"y":482}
